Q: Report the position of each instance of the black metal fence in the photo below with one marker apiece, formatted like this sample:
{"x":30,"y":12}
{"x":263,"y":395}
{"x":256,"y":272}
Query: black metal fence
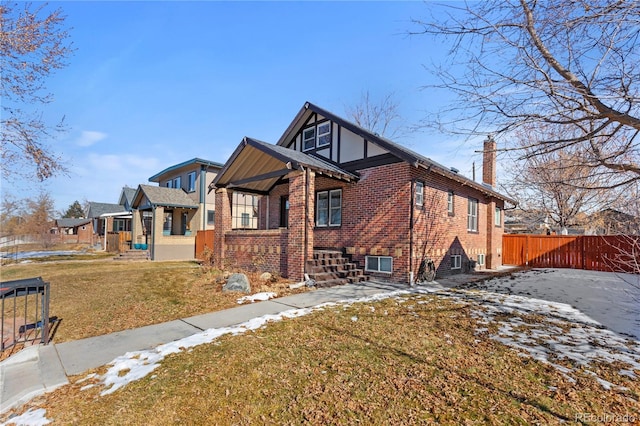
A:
{"x":24,"y":308}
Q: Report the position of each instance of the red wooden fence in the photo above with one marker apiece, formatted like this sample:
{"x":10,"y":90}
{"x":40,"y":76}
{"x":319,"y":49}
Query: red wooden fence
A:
{"x":204,"y":239}
{"x":619,"y":253}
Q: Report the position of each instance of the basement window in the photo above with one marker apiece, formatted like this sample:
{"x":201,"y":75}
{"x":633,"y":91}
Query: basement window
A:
{"x":379,"y":264}
{"x":456,"y":261}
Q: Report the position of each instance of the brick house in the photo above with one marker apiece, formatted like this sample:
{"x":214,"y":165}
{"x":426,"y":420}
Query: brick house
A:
{"x":166,"y":217}
{"x":329,"y":184}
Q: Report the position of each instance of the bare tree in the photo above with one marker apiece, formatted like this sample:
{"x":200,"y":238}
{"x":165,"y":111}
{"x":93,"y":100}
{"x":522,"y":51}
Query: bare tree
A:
{"x":381,"y":117}
{"x":429,"y":231}
{"x":520,"y":62}
{"x":39,"y":217}
{"x":32,"y":46}
{"x":556,"y":185}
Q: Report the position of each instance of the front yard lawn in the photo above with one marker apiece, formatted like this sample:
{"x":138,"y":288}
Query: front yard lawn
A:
{"x":414,"y":359}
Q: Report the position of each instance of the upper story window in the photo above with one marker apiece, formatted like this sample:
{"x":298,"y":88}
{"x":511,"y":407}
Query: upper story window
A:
{"x":472,"y":215}
{"x":324,"y":134}
{"x":308,"y":138}
{"x":169,"y":184}
{"x":498,"y":217}
{"x":177,"y":182}
{"x":191,"y":182}
{"x":419,"y":193}
{"x":450,"y":203}
{"x":316,"y":136}
{"x":329,"y":208}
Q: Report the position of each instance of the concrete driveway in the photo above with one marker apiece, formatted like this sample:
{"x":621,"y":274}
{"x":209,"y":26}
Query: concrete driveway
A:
{"x":611,"y":299}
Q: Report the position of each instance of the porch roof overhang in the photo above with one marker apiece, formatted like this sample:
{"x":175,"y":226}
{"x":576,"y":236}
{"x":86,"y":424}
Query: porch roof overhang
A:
{"x":149,"y":197}
{"x":257,"y":166}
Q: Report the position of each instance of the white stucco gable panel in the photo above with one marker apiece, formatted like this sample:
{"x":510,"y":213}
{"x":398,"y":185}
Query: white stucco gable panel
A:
{"x":351,"y":146}
{"x":373,"y":150}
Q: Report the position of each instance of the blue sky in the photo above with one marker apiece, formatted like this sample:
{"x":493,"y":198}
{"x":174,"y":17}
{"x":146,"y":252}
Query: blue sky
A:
{"x":152,"y":84}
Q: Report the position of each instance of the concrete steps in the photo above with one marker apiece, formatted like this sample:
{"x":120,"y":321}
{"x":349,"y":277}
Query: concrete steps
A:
{"x":133,"y":255}
{"x":330,"y":268}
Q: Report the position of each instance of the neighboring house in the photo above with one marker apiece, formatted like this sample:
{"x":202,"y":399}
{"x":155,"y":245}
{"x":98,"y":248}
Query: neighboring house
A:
{"x":103,"y":216}
{"x":517,"y":221}
{"x":329,"y":184}
{"x":176,"y":209}
{"x":612,"y":222}
{"x":73,"y":230}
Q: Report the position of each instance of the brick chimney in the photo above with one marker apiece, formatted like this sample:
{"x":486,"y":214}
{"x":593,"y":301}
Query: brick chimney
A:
{"x":489,"y":162}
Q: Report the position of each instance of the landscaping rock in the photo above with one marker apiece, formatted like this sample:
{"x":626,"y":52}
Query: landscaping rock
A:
{"x":237,"y":282}
{"x":266,"y":276}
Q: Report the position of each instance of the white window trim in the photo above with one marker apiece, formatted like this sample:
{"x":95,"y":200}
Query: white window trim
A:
{"x":497,"y":217}
{"x":245,"y":220}
{"x":189,"y":182}
{"x":366,"y":264}
{"x":481,"y":262}
{"x":318,"y":134}
{"x":456,"y":261}
{"x":305,"y":139}
{"x":419,"y":193}
{"x":329,"y":208}
{"x":450,"y":203}
{"x":213,"y":213}
{"x":472,"y":213}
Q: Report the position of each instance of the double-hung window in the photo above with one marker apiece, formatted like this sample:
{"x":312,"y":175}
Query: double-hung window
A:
{"x":308,"y":138}
{"x":472,"y":215}
{"x":191,"y":182}
{"x":316,"y":136}
{"x":450,"y":204}
{"x":419,"y":193}
{"x":498,"y":217}
{"x":177,"y":182}
{"x":245,"y":220}
{"x":324,"y":134}
{"x":329,"y":208}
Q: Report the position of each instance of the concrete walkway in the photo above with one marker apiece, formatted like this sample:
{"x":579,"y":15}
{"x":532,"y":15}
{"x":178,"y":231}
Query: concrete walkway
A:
{"x":40,"y":369}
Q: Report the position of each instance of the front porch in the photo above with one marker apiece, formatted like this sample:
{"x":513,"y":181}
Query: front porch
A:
{"x":282,"y":183}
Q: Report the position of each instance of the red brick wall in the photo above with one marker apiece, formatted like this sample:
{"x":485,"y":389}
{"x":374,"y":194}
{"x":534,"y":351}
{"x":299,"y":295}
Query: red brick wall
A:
{"x":376,"y":218}
{"x":264,"y":251}
{"x":223,"y":223}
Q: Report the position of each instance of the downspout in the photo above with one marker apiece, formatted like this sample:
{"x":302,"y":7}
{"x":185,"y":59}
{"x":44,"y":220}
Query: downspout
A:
{"x":306,"y":217}
{"x":153,"y":232}
{"x":266,"y":226}
{"x":104,"y":238}
{"x":411,"y":278}
{"x":203,"y":198}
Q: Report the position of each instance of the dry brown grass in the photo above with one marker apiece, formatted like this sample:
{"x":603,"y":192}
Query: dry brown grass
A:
{"x":92,"y":298}
{"x":389,"y":362}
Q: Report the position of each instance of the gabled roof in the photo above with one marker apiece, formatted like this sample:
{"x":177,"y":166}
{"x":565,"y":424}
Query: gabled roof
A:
{"x":401,"y":152}
{"x":127,"y":195}
{"x":97,"y":209}
{"x":71,"y":222}
{"x":256,"y":166}
{"x":162,"y":196}
{"x":193,"y":161}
